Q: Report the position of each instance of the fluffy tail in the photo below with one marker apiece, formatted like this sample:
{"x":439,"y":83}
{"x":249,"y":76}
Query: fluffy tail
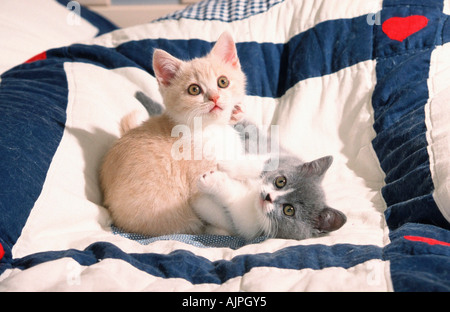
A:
{"x":130,"y":121}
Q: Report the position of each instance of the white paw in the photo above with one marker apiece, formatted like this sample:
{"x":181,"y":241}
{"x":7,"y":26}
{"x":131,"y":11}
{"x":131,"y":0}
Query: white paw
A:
{"x":236,"y":115}
{"x":211,"y":181}
{"x":232,"y":168}
{"x":226,"y":166}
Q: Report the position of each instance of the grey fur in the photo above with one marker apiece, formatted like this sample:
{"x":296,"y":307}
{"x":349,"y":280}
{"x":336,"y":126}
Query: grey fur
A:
{"x":312,"y":216}
{"x":153,"y":108}
{"x":243,"y":198}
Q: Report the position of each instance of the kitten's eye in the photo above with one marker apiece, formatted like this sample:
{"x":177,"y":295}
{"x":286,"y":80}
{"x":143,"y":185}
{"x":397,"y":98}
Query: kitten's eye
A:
{"x":223,"y":82}
{"x":288,"y":210}
{"x":194,"y":89}
{"x":280,"y":182}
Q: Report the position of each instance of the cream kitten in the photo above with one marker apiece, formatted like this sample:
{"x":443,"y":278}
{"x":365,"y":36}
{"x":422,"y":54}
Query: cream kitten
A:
{"x":146,"y":190}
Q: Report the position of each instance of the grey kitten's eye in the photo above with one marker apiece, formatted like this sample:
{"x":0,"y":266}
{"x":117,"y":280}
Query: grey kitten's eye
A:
{"x":223,"y":82}
{"x":194,"y":89}
{"x":288,"y":210}
{"x":280,"y":182}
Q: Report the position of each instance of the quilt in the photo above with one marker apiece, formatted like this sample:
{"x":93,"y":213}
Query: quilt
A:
{"x":365,"y":81}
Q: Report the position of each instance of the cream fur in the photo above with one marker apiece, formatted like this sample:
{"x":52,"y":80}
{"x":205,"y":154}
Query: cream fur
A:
{"x":144,"y":188}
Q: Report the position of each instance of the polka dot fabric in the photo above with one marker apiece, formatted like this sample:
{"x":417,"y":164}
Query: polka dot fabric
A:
{"x":204,"y":241}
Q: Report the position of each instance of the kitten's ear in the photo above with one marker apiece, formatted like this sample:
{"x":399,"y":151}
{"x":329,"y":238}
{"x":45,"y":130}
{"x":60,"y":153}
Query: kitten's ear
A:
{"x":316,"y":167}
{"x":330,"y":219}
{"x":225,"y":49}
{"x":165,"y":66}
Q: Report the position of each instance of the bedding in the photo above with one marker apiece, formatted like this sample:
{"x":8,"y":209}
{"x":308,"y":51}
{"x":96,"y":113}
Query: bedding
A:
{"x":30,"y":27}
{"x":364,"y":81}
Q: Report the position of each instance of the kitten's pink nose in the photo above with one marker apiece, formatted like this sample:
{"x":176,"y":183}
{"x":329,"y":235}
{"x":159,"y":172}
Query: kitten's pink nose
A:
{"x":214,"y":98}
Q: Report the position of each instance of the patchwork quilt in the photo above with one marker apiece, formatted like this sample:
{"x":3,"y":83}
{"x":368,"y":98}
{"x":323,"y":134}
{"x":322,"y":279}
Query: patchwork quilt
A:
{"x":365,"y":81}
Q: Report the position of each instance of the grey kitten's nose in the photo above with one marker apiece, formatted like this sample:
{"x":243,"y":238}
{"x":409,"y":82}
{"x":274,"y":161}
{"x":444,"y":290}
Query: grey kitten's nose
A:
{"x":268,"y":198}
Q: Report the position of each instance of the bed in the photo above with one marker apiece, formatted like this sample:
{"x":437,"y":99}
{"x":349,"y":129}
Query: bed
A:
{"x":365,"y":81}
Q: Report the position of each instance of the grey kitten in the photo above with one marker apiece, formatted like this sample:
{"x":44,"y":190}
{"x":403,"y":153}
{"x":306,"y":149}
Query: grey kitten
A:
{"x":245,"y":200}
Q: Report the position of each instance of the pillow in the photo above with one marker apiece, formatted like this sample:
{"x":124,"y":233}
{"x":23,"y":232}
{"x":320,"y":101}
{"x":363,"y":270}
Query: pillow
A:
{"x":30,"y":27}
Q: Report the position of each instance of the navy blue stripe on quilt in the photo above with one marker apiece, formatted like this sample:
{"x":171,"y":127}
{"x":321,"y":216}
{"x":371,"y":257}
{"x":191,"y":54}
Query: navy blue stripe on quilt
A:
{"x":272,"y":69}
{"x":416,"y":265}
{"x":398,"y":100}
{"x":446,"y":29}
{"x":33,"y":100}
{"x":198,"y":270}
{"x":92,"y":54}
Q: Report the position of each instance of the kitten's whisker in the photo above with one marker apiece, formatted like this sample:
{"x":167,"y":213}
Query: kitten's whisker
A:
{"x":273,"y":229}
{"x":193,"y":114}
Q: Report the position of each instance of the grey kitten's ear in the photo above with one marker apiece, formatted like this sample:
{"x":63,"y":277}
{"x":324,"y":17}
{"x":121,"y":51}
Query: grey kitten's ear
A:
{"x":330,"y":219}
{"x":165,"y":66}
{"x":316,"y":167}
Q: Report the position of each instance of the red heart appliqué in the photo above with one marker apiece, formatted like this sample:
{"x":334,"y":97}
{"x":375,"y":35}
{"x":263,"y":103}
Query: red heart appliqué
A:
{"x":38,"y":57}
{"x":2,"y":252}
{"x":400,"y":28}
